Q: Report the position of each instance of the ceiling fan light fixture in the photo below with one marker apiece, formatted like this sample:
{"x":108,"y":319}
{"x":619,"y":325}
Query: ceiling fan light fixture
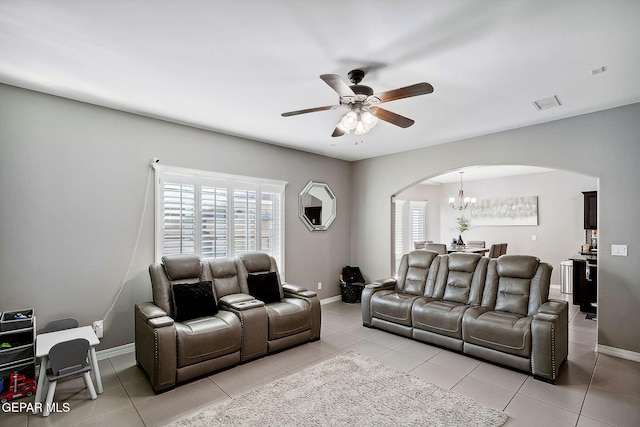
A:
{"x":368,"y":119}
{"x":350,"y":120}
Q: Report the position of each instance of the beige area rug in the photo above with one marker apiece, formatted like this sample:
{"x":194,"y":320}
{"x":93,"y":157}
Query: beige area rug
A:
{"x":348,"y":390}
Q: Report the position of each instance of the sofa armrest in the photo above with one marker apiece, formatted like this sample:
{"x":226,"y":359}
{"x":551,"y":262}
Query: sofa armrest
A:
{"x":288,"y":288}
{"x":154,"y":315}
{"x":367,"y":294}
{"x":553,"y":307}
{"x":388,"y":283}
{"x":237,"y":301}
{"x":155,"y":339}
{"x":550,"y":339}
{"x":311,"y":297}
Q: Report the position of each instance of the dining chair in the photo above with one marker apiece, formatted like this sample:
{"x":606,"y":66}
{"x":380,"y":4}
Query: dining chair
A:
{"x":419,"y":244}
{"x":60,"y":325}
{"x":497,"y":249}
{"x":67,"y":359}
{"x":440,"y":248}
{"x":503,"y":248}
{"x":477,"y":243}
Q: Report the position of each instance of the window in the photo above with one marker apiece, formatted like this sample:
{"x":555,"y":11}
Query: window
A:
{"x":218,"y":215}
{"x":417,"y":221}
{"x":399,"y":240}
{"x":409,"y":226}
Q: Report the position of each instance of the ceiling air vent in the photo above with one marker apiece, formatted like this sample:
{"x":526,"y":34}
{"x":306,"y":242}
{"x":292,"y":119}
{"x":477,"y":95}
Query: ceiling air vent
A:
{"x":546,"y":103}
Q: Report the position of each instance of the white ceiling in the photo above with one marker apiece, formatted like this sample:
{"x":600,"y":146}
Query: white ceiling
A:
{"x":235,"y":66}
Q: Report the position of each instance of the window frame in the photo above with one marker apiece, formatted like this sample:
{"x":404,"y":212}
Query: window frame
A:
{"x":232,"y":184}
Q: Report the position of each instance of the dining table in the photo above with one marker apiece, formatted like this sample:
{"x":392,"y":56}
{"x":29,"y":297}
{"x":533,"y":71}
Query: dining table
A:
{"x":468,"y":249}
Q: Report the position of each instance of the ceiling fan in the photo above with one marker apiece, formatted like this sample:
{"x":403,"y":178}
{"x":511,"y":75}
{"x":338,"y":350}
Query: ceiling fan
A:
{"x":362,"y":103}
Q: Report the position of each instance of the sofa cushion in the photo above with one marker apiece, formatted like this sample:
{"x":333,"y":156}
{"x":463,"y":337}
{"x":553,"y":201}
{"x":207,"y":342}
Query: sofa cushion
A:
{"x":256,"y":262}
{"x":182,"y":266}
{"x":413,"y":272}
{"x":225,"y":276}
{"x":206,"y":338}
{"x":264,"y":286}
{"x":458,"y":286}
{"x":393,"y":306}
{"x":440,"y":317}
{"x":513,"y":295}
{"x":519,"y":266}
{"x":456,"y":277}
{"x":460,"y":261}
{"x":193,"y":300}
{"x":501,"y":331}
{"x":288,"y":317}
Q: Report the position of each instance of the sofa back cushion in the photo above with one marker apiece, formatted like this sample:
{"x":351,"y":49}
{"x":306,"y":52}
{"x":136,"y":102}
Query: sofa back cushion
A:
{"x":517,"y":284}
{"x":224,"y":275}
{"x":182,"y":266}
{"x":256,"y":263}
{"x":414,"y":272}
{"x":461,"y":277}
{"x":174,"y":269}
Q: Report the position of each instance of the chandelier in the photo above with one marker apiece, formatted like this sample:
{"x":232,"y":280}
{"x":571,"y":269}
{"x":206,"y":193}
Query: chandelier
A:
{"x":461,"y":203}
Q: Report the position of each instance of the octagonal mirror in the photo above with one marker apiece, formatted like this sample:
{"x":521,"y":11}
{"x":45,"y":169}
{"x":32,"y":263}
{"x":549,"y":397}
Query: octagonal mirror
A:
{"x":317,"y":206}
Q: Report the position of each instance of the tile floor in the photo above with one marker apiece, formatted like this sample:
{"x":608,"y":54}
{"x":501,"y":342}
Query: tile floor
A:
{"x":593,"y":390}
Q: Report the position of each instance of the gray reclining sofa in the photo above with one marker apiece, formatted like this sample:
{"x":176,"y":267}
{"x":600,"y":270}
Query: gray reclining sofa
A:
{"x":495,"y":309}
{"x":203,"y":317}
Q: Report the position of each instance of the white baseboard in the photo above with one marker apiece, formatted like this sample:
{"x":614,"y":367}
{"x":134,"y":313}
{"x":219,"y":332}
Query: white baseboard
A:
{"x":618,"y":352}
{"x":330,"y":300}
{"x":116,"y":351}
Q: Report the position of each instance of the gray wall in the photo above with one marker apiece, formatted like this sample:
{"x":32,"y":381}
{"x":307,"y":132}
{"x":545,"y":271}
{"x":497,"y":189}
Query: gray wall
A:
{"x":603,"y":145}
{"x":73,"y":179}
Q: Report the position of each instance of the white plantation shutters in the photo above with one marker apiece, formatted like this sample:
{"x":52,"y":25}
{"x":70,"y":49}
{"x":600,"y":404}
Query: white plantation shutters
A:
{"x":417,"y":220}
{"x":409,"y":226}
{"x":218,"y":215}
{"x":399,"y":240}
{"x":178,"y":219}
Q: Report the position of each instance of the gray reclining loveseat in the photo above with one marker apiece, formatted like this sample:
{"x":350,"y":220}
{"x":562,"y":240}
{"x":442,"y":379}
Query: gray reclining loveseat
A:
{"x":497,"y":309}
{"x":204,"y":318}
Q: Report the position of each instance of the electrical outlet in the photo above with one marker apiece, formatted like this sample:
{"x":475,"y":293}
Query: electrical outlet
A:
{"x":98,"y":327}
{"x":534,"y":237}
{"x":319,"y":285}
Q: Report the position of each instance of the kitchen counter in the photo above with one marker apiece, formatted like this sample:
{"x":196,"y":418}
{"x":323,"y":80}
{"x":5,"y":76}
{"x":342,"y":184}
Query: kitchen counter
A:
{"x":584,"y":257}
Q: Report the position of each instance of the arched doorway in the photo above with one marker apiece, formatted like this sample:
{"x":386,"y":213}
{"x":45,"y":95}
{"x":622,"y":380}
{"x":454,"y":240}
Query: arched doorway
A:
{"x":559,"y":232}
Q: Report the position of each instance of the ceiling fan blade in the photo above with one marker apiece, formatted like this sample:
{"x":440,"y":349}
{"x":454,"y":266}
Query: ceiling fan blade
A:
{"x":393,"y":118}
{"x":309,"y":110}
{"x":337,"y":84}
{"x":405,"y":92}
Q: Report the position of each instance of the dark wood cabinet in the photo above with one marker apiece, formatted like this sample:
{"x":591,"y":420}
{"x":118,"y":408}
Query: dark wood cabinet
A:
{"x":585,"y":284}
{"x":590,"y":210}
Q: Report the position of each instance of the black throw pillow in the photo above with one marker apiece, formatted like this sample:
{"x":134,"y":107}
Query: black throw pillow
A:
{"x":192,"y":300}
{"x":264,"y":287}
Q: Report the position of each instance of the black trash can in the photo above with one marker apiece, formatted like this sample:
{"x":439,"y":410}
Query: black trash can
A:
{"x":351,"y":292}
{"x":351,"y":284}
